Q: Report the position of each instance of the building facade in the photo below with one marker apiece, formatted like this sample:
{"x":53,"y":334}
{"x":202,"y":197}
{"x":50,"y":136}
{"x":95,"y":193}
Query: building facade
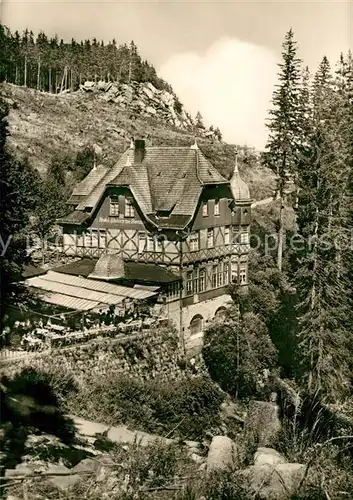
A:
{"x":170,"y":208}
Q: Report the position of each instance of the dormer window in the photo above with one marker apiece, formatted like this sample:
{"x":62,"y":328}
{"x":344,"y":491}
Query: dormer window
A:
{"x":114,"y":206}
{"x":205,"y":209}
{"x":129,"y":209}
{"x":216,"y":207}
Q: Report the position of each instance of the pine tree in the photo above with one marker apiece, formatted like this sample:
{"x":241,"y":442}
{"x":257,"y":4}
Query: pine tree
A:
{"x":18,"y":197}
{"x":285,"y":128}
{"x":321,"y":278}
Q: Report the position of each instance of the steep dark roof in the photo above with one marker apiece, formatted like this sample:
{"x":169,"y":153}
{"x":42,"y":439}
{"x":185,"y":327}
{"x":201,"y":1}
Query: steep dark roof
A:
{"x":29,"y":271}
{"x":148,"y":273}
{"x":139,"y":272}
{"x":167,"y":179}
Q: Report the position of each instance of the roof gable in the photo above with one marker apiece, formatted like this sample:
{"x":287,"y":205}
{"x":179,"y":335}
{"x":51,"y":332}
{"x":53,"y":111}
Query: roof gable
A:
{"x":167,"y":179}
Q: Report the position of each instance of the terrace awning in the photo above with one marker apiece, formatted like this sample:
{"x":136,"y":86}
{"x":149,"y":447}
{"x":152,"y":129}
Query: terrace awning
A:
{"x":83,"y":294}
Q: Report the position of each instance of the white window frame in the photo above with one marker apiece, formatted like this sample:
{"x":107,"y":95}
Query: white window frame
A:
{"x":234,"y":272}
{"x":94,"y":238}
{"x":114,"y":207}
{"x":129,"y":212}
{"x":227,"y":235}
{"x":205,"y":209}
{"x":194,"y":242}
{"x":217,"y":207}
{"x":202,"y":280}
{"x":159,"y":247}
{"x":150,"y":243}
{"x":243,"y":275}
{"x":189,"y":283}
{"x":210,"y":232}
{"x":244,"y":238}
{"x":102,"y":238}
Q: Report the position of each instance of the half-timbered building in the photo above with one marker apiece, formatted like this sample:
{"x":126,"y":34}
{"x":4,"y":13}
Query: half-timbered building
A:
{"x":164,"y":216}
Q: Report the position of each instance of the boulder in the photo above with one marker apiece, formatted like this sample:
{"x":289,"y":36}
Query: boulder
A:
{"x":262,"y":425}
{"x":268,"y":456}
{"x":62,"y":482}
{"x":20,"y":470}
{"x":222,"y":454}
{"x":148,"y":92}
{"x":151,"y":110}
{"x":278,"y":482}
{"x":87,"y":464}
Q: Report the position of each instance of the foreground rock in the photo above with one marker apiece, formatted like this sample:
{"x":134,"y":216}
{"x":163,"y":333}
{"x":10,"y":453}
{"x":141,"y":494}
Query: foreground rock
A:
{"x":278,"y":482}
{"x":222,"y":454}
{"x":262,"y":425}
{"x":63,"y":482}
{"x":268,"y":456}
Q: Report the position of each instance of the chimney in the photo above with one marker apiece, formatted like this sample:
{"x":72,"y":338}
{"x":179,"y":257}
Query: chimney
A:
{"x":139,"y":150}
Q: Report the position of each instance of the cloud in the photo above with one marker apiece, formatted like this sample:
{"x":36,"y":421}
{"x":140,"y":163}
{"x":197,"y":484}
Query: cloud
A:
{"x":231,"y":84}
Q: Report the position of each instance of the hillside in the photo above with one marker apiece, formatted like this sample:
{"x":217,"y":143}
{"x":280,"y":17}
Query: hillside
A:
{"x":43,"y":124}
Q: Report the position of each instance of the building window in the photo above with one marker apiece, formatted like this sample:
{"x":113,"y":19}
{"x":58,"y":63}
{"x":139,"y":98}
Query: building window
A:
{"x":244,"y":238}
{"x":205,"y":209}
{"x":189,"y":282}
{"x":129,"y":209}
{"x":142,"y":242}
{"x":225,"y":273}
{"x":235,"y":235}
{"x":210,"y":238}
{"x":150,"y":243}
{"x":227,"y":235}
{"x":214,"y":277}
{"x":94,"y":238}
{"x":220,"y":275}
{"x":243,"y":276}
{"x":80,"y":240}
{"x":202,"y":280}
{"x":173,"y":290}
{"x":196,"y":325}
{"x":102,"y":238}
{"x":114,"y":207}
{"x":195,"y":280}
{"x":234,"y":272}
{"x":194,"y":242}
{"x":159,"y":244}
{"x":87,"y":239}
{"x":216,"y":207}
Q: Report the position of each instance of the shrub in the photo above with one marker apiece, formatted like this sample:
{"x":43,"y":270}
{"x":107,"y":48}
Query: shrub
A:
{"x":237,"y":351}
{"x":187,"y":408}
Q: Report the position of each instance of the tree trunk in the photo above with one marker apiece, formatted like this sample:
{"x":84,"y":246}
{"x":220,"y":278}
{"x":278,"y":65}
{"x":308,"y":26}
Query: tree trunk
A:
{"x":49,"y":82}
{"x":25,"y":75}
{"x":280,"y":236}
{"x":38,"y":74}
{"x":16,"y":77}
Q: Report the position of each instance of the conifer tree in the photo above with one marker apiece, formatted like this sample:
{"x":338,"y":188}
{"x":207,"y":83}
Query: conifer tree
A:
{"x":18,"y":197}
{"x":285,"y":128}
{"x":321,"y":279}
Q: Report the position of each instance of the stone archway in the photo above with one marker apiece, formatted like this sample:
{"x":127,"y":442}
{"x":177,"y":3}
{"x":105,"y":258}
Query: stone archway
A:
{"x":221,"y":312}
{"x":196,"y":325}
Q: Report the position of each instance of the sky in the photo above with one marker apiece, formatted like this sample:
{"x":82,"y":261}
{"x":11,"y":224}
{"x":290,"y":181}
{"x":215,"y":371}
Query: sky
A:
{"x":220,"y":57}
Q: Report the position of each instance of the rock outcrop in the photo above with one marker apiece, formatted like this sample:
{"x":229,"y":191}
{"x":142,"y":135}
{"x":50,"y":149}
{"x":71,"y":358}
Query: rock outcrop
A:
{"x":278,"y":482}
{"x":144,"y":99}
{"x":222,"y":454}
{"x":268,"y":456}
{"x":262,"y":425}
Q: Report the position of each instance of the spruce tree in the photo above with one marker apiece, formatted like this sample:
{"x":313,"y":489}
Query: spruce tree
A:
{"x":284,"y":126}
{"x":18,"y":196}
{"x":321,"y":277}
